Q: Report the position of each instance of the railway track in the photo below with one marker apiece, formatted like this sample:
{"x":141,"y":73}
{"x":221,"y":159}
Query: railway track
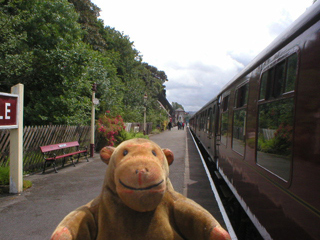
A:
{"x":237,"y":221}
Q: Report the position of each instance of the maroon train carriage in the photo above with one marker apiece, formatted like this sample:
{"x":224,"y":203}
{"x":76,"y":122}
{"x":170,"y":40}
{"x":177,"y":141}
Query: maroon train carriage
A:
{"x":263,"y":133}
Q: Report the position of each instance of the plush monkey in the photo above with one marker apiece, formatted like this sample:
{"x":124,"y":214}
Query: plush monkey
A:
{"x":138,"y":202}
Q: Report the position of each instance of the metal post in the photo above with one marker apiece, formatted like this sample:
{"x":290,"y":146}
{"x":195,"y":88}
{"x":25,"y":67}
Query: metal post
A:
{"x":144,"y":120}
{"x":94,"y":89}
{"x":16,"y":146}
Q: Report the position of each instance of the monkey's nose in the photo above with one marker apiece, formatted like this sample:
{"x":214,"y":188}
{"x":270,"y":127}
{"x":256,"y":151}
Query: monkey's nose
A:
{"x":142,"y":171}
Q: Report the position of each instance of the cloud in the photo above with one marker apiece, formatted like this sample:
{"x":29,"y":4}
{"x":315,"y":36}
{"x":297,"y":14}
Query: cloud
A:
{"x":195,"y":84}
{"x":276,"y":28}
{"x":201,"y":45}
{"x":243,"y":58}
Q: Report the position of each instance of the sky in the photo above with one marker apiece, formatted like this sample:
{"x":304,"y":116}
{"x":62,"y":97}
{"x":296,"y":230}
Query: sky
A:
{"x":200,"y":44}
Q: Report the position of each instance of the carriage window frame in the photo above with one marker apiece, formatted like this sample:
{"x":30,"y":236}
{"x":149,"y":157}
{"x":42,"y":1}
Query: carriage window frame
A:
{"x":278,"y":99}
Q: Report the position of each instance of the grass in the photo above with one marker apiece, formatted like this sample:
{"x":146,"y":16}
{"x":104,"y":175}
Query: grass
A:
{"x":4,"y":175}
{"x":156,"y":131}
{"x":5,"y":178}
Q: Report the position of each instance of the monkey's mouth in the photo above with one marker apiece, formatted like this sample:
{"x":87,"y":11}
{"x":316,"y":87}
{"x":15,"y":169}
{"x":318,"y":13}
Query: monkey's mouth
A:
{"x":141,"y":189}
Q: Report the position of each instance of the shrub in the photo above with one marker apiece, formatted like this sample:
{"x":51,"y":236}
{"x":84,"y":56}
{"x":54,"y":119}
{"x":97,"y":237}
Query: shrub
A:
{"x":156,"y":131}
{"x":5,"y":178}
{"x":109,"y":127}
{"x":124,"y":135}
{"x":281,"y":142}
{"x":138,"y":135}
{"x":27,"y":184}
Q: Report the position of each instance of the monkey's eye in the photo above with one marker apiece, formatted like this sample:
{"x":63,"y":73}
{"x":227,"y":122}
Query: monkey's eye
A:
{"x":125,"y":152}
{"x":154,"y":152}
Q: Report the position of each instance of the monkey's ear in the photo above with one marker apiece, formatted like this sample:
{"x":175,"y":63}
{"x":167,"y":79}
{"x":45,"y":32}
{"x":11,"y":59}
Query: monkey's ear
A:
{"x":105,"y":154}
{"x":169,"y":155}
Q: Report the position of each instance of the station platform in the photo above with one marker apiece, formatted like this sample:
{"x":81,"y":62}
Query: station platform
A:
{"x":35,"y":213}
{"x":187,"y":172}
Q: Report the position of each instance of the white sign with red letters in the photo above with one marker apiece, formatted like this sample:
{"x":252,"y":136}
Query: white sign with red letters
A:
{"x":9,"y":109}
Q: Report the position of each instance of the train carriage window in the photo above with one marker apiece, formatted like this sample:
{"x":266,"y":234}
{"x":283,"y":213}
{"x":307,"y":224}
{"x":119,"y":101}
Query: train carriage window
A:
{"x":263,"y":85}
{"x":201,"y":121}
{"x":279,"y":79}
{"x":225,"y":103}
{"x":224,"y":127}
{"x":209,"y":120}
{"x":204,"y":121}
{"x":241,"y":96}
{"x":212,"y":120}
{"x":291,"y":73}
{"x":239,"y":126}
{"x":275,"y":137}
{"x":266,"y":84}
{"x":224,"y":120}
{"x":239,"y":119}
{"x":275,"y":118}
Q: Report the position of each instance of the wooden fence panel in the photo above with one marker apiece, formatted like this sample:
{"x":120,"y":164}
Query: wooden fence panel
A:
{"x":36,"y":136}
{"x":4,"y":145}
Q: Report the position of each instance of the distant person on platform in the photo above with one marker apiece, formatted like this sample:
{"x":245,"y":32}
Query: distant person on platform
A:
{"x":169,"y":126}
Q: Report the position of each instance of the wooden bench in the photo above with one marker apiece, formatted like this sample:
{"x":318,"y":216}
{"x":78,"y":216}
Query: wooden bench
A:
{"x":53,"y":152}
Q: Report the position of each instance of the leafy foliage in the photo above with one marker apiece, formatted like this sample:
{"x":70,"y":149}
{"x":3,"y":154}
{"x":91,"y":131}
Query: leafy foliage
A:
{"x":280,"y":122}
{"x":109,"y":127}
{"x":176,"y":105}
{"x":4,"y":175}
{"x":58,"y":49}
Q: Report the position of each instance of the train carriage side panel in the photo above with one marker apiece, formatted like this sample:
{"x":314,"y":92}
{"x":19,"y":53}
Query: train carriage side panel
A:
{"x":275,"y":181}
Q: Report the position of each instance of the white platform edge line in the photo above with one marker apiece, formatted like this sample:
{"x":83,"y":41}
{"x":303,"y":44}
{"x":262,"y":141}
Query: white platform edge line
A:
{"x":214,"y":189}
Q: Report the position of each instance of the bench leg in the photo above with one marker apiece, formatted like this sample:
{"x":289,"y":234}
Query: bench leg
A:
{"x":44,"y":167}
{"x":54,"y":166}
{"x":86,"y":155}
{"x":72,"y":161}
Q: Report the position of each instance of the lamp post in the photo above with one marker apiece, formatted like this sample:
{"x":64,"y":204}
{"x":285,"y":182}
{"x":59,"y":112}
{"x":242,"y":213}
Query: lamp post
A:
{"x":145,"y":97}
{"x":94,"y":89}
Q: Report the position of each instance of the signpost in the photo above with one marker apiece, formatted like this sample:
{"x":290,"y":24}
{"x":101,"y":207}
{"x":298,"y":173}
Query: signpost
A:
{"x":11,"y":117}
{"x":8,"y":110}
{"x":94,"y":102}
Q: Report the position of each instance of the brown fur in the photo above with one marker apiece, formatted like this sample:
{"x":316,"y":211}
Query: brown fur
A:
{"x":137,"y":201}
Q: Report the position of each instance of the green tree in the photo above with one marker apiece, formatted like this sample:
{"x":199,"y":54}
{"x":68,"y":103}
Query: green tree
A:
{"x":88,"y":14}
{"x":176,"y":105}
{"x":41,"y":47}
{"x":58,"y":49}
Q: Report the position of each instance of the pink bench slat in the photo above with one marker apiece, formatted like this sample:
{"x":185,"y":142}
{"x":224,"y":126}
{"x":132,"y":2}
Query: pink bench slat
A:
{"x":58,"y":146}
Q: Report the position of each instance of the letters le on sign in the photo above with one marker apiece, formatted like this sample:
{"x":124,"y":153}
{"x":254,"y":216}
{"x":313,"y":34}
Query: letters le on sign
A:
{"x":8,"y":111}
